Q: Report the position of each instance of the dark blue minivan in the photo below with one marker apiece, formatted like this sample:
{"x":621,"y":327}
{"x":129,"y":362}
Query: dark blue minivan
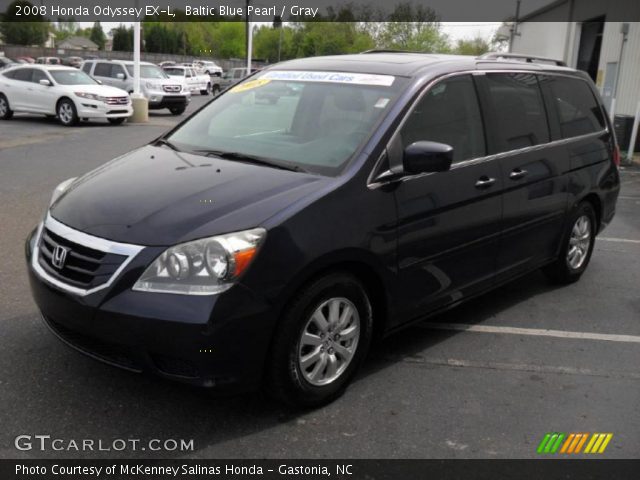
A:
{"x":321,"y":204}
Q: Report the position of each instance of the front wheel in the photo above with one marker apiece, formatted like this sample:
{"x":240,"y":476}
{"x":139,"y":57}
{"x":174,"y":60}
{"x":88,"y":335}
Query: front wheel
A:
{"x":5,"y":112}
{"x":577,"y":247}
{"x":177,"y":110}
{"x":322,"y":338}
{"x":67,"y":113}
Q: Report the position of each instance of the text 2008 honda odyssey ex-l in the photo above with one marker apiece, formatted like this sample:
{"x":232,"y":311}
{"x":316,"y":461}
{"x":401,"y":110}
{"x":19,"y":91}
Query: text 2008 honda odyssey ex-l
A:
{"x":323,"y":202}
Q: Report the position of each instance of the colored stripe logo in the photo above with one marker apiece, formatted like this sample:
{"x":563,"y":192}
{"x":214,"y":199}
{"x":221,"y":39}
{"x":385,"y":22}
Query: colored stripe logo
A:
{"x":573,"y":443}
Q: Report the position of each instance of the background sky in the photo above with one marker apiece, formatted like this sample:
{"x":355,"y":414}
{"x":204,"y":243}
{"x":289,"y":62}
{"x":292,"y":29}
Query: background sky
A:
{"x":456,"y":30}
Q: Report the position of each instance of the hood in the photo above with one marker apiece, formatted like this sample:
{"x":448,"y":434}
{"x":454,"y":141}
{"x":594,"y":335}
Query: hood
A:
{"x":103,"y":90}
{"x":156,"y":196}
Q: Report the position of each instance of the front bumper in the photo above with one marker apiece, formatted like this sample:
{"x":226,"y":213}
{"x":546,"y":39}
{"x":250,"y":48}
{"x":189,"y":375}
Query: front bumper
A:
{"x":158,"y":100}
{"x":94,"y":109}
{"x":216,"y":341}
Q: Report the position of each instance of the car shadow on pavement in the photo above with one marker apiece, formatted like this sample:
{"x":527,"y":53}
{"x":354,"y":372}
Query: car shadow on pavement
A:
{"x":47,"y":388}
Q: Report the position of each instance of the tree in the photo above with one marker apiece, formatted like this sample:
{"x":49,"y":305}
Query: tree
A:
{"x":123,"y":39}
{"x":65,"y":28}
{"x":97,"y":35}
{"x":474,"y":46}
{"x":413,"y":28}
{"x":18,"y":32}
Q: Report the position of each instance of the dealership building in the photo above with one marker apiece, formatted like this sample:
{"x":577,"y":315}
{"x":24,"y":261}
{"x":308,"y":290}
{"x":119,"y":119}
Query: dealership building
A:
{"x":594,"y":36}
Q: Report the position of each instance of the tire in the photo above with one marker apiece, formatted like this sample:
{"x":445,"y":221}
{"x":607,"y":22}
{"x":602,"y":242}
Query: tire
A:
{"x":116,"y":121}
{"x":177,"y":110}
{"x":577,"y":246}
{"x":303,"y":353}
{"x":215,"y":90}
{"x":206,"y":90}
{"x":67,"y":113}
{"x":5,"y":111}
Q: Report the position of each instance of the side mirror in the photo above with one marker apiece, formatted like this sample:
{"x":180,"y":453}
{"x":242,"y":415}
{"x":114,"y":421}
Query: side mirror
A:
{"x":45,"y":82}
{"x":120,"y":76}
{"x":427,"y":157}
{"x":99,"y":82}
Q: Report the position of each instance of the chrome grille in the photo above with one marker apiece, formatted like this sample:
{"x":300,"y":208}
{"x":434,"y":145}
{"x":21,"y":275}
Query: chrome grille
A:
{"x":117,"y":100}
{"x":171,"y":88}
{"x":77,"y":262}
{"x":83,"y":267}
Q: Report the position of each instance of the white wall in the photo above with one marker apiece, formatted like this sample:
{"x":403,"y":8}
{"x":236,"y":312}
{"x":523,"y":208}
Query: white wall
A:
{"x":545,"y":39}
{"x":629,"y":81}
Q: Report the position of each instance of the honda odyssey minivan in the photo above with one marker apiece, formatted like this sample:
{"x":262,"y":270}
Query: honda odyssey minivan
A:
{"x":321,"y":204}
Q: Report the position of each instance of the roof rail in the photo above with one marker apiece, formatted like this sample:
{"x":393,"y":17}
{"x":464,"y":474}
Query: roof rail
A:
{"x":388,"y":50}
{"x":521,"y":57}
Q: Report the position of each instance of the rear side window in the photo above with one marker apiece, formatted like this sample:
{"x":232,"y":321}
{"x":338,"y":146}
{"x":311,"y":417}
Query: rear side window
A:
{"x":102,"y":70}
{"x":24,"y":74}
{"x":578,"y":110}
{"x":521,"y":119}
{"x":449,"y":113}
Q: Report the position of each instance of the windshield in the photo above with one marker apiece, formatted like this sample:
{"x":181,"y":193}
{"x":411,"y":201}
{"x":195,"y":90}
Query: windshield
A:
{"x":174,"y":72}
{"x":148,"y":71}
{"x":313,"y":120}
{"x":72,"y":77}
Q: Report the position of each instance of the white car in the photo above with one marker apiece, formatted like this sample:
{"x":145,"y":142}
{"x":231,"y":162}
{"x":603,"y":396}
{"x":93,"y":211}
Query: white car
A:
{"x":208,"y":67}
{"x":194,"y":81}
{"x":60,"y":91}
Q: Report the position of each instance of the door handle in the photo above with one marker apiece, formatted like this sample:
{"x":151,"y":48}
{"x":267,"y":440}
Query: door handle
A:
{"x":485,"y":182}
{"x":517,"y":174}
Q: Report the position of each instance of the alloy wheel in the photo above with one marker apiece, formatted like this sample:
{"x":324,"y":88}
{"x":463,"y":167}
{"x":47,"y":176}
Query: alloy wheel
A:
{"x":65,"y":113}
{"x":329,"y":341}
{"x":579,"y":242}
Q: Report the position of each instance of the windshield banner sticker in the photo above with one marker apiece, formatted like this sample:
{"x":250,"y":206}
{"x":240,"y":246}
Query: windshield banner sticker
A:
{"x":243,"y":87}
{"x":331,"y":77}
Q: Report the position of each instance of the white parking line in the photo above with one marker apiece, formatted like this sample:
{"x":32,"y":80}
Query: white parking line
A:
{"x":532,"y":331}
{"x":620,"y":240}
{"x":520,"y":367}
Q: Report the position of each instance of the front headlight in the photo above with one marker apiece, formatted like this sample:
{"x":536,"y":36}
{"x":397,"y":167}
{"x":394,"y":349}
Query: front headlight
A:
{"x":60,"y":189}
{"x":90,"y":96}
{"x":154,"y":86}
{"x":203,"y":267}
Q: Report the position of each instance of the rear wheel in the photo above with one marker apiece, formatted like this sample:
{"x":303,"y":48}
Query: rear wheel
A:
{"x":67,"y":113}
{"x":207,"y":90}
{"x":5,"y":112}
{"x":177,"y":110}
{"x":323,"y":337}
{"x":577,"y":247}
{"x":116,"y":121}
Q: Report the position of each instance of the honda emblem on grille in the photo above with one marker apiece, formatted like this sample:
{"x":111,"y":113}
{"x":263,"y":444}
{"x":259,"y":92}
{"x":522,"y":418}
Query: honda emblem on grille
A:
{"x":59,"y":256}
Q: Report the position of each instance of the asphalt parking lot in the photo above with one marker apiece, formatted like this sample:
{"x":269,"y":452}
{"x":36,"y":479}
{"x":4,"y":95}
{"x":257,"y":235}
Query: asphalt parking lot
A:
{"x":488,"y":380}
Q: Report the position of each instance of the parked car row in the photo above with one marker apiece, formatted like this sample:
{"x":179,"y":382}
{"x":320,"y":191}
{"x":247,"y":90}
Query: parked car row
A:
{"x":60,"y":91}
{"x":48,"y":85}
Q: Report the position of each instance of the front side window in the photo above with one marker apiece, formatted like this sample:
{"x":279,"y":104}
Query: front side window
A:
{"x":86,"y":68}
{"x":115,"y":70}
{"x":578,"y":110}
{"x":520,"y":115}
{"x":309,"y":123}
{"x":448,"y":113}
{"x":102,"y":70}
{"x":38,"y":75}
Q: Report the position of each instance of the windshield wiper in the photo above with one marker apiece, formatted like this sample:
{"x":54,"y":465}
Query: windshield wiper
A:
{"x":164,"y":141}
{"x":243,"y":157}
